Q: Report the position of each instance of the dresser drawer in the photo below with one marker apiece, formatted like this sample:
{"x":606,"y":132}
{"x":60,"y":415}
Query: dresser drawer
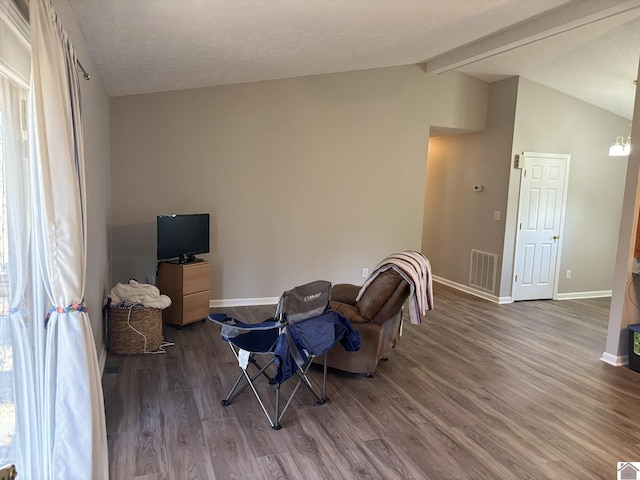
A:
{"x":187,"y":284}
{"x":195,"y":278}
{"x":195,"y":306}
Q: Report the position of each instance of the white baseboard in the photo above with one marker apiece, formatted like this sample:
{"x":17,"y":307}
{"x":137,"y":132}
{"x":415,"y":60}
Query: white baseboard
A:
{"x":615,"y":360}
{"x":243,"y":302}
{"x":472,"y":291}
{"x":246,"y":302}
{"x":581,"y":295}
{"x":502,"y":300}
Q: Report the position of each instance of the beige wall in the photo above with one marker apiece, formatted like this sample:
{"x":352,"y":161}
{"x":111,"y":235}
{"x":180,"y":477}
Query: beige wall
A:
{"x":526,"y":116}
{"x":457,"y":101}
{"x":551,"y":122}
{"x":95,"y":117}
{"x":457,"y":219}
{"x":304,"y":178}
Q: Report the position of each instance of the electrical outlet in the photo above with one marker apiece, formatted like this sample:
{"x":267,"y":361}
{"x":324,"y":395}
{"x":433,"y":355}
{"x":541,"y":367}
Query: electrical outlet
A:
{"x":568,"y":273}
{"x":365,"y":272}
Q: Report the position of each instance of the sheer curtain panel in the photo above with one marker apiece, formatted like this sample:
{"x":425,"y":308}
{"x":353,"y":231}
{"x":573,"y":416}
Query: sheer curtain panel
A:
{"x":74,"y":431}
{"x":19,"y":429}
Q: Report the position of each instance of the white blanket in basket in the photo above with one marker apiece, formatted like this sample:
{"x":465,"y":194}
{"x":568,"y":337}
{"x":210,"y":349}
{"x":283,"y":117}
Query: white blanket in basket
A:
{"x":139,"y":293}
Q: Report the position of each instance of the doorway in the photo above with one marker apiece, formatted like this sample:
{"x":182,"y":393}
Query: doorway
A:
{"x":541,"y":210}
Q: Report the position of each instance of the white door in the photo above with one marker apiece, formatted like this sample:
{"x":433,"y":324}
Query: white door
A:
{"x":540,"y":220}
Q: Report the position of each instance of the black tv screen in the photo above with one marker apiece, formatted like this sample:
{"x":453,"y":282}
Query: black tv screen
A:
{"x":182,"y":236}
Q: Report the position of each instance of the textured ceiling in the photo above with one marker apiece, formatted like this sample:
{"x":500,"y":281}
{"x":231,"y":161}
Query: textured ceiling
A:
{"x":597,"y":63}
{"x":160,"y":45}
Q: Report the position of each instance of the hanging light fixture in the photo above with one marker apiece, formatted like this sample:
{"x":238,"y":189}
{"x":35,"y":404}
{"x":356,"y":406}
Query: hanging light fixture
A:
{"x":621,"y":148}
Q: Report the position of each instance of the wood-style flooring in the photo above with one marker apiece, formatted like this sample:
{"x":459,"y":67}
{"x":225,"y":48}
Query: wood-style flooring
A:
{"x":477,"y":391}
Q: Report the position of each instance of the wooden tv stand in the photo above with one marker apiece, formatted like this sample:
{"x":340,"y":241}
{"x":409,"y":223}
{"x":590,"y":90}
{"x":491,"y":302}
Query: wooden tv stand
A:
{"x":187,"y":285}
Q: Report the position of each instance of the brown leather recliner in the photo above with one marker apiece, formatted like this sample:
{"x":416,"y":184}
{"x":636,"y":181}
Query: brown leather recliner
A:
{"x":376,"y":316}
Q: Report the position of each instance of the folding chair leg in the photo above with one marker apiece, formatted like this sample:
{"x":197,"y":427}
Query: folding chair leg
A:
{"x":303,"y":376}
{"x":324,"y":378}
{"x":302,"y":370}
{"x":228,"y":399}
{"x":321,"y":399}
{"x":277,"y":425}
{"x":233,"y":394}
{"x":255,"y":363}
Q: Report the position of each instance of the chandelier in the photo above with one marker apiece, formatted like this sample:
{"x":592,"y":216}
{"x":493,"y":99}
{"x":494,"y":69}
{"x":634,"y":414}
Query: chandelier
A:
{"x":621,"y":148}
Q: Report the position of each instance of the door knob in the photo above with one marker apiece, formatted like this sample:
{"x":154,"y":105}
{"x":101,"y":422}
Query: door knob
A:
{"x":556,"y":237}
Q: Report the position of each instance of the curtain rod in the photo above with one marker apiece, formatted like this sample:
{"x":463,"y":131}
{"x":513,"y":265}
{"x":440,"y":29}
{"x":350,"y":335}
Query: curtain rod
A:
{"x":85,"y":75}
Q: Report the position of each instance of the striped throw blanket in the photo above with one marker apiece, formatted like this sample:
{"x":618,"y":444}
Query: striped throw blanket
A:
{"x":416,"y":270}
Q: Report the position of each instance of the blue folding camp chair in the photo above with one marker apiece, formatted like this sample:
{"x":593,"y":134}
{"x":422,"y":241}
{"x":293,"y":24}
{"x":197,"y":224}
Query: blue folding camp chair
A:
{"x":304,"y":327}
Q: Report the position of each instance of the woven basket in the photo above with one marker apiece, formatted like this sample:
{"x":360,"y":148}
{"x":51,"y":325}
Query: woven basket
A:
{"x":134,"y":331}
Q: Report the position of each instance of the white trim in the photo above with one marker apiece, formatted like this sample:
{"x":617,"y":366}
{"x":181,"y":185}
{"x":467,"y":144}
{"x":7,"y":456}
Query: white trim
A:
{"x":13,"y":75}
{"x":563,"y":210}
{"x":615,"y":360}
{"x":581,"y":295}
{"x":13,"y":17}
{"x":243,"y":302}
{"x":472,"y":291}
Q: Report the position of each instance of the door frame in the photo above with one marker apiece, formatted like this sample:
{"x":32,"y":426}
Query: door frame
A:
{"x":563,"y":209}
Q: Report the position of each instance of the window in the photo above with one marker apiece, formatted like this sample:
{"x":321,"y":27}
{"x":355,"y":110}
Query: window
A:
{"x":7,"y":401}
{"x":10,"y":94}
{"x":7,"y":398}
{"x":4,"y":306}
{"x":16,"y":342}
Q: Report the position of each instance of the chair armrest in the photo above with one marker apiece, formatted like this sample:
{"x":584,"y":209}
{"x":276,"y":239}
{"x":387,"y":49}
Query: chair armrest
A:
{"x":349,"y":312}
{"x":345,"y":293}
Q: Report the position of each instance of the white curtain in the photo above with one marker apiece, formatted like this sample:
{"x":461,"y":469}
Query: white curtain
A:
{"x":16,"y":327}
{"x":19,"y":426}
{"x":74,"y":436}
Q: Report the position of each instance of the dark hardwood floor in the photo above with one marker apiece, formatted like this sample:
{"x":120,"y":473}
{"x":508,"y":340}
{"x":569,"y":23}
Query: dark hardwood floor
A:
{"x":477,"y":391}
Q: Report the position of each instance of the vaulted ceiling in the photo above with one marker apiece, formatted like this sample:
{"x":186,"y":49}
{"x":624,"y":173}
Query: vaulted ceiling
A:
{"x":586,"y":48}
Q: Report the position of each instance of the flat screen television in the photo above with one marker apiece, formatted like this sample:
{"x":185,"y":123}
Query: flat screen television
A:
{"x":182,"y":237}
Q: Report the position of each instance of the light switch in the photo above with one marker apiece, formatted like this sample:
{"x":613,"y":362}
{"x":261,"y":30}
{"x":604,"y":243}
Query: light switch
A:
{"x":496,"y":214}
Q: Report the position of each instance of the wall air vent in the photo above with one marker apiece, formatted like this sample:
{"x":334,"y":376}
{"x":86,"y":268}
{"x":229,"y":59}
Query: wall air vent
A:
{"x":482,"y":271}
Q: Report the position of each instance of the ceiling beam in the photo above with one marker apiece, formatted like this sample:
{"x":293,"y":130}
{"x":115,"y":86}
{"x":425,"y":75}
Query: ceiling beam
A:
{"x":568,"y":17}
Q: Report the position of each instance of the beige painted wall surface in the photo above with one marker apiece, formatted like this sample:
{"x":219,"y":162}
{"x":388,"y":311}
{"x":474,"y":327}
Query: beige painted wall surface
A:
{"x":551,"y":122}
{"x":304,"y":178}
{"x":95,"y":118}
{"x":457,"y":219}
{"x":457,"y":101}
